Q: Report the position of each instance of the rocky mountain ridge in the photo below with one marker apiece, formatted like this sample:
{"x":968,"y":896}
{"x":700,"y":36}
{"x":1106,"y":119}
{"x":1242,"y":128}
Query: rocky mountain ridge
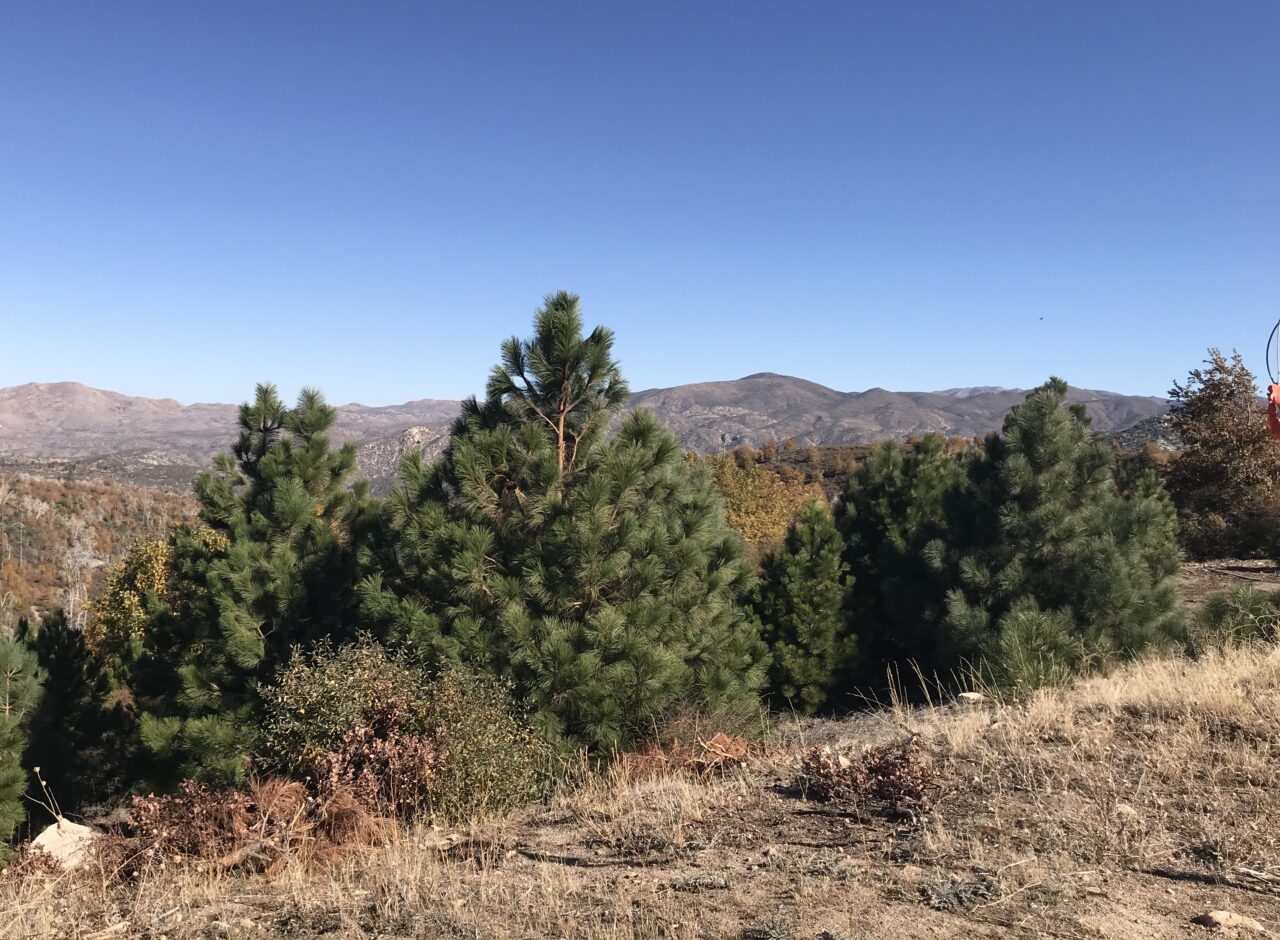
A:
{"x":69,"y":429}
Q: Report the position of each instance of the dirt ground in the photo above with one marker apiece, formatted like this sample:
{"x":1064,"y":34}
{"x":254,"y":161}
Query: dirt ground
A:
{"x":1201,"y":578}
{"x":1127,"y":806}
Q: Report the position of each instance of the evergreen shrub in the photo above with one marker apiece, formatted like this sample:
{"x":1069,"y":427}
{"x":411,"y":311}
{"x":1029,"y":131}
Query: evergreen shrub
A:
{"x":1240,"y":614}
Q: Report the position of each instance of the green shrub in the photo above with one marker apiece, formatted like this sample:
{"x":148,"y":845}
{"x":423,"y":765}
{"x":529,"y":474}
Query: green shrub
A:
{"x":493,"y":761}
{"x":1237,"y":615}
{"x":321,"y":695}
{"x":451,"y":746}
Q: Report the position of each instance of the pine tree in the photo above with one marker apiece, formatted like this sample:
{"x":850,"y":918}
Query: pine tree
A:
{"x":560,"y":378}
{"x":802,"y":605}
{"x":284,"y":574}
{"x":597,"y":575}
{"x":1224,"y":478}
{"x":1059,"y":535}
{"x":19,"y":695}
{"x":903,"y":514}
{"x":81,"y":736}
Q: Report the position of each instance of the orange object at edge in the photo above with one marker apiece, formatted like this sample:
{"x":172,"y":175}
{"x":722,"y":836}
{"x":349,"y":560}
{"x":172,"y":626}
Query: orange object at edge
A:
{"x":1273,"y":410}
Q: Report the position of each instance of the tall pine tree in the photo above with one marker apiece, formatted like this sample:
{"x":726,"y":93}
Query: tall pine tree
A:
{"x":802,"y":602}
{"x":1099,"y":566}
{"x":597,"y":574}
{"x":280,"y":572}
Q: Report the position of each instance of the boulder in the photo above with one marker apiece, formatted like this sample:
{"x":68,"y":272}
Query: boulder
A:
{"x":66,"y":842}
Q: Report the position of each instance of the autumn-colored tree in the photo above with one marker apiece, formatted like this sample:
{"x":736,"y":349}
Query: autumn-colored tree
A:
{"x":147,"y":584}
{"x":119,"y":615}
{"x":759,"y":503}
{"x":1224,"y":479}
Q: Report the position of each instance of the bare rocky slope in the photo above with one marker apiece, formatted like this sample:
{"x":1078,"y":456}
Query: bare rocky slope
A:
{"x":69,"y":429}
{"x":709,"y":415}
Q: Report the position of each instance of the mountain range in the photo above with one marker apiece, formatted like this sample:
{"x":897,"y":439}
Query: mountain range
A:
{"x":70,"y":429}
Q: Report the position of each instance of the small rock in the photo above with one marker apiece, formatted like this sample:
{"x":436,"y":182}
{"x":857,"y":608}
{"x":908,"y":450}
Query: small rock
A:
{"x":217,"y":930}
{"x":1221,"y":920}
{"x":971,"y":698}
{"x":67,"y":842}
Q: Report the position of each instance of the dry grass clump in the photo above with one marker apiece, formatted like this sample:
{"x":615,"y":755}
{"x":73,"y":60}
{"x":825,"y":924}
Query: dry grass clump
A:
{"x":716,"y":754}
{"x":1164,"y":762}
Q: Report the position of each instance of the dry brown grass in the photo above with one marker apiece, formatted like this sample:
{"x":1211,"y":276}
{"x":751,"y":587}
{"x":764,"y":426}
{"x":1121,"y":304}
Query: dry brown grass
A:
{"x":1121,"y":806}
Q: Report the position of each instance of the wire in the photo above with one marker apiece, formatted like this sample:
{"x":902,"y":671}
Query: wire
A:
{"x":1270,"y":340}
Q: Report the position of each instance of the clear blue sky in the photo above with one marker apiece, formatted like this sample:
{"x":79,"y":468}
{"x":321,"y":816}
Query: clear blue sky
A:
{"x":368,"y":197}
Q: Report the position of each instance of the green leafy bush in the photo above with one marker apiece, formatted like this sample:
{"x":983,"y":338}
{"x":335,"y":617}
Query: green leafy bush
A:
{"x":493,"y":761}
{"x":376,"y":722}
{"x":1237,"y":615}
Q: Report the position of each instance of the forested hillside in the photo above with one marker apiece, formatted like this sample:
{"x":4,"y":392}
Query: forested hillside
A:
{"x":58,"y":537}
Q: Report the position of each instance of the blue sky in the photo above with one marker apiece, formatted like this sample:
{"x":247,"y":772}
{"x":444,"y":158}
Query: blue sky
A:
{"x":369,"y":197}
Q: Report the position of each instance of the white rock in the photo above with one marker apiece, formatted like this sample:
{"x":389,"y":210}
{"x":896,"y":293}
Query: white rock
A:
{"x":971,"y":698}
{"x":67,"y":842}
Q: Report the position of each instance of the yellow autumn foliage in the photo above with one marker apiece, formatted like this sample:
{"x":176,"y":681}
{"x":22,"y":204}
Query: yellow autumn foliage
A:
{"x":759,"y":504}
{"x":119,"y":615}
